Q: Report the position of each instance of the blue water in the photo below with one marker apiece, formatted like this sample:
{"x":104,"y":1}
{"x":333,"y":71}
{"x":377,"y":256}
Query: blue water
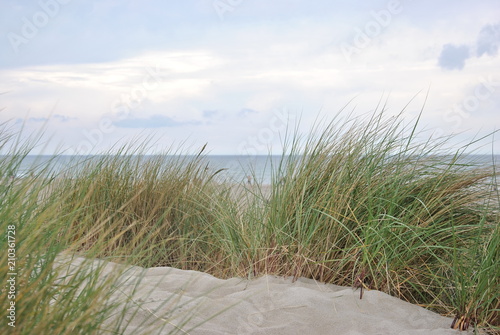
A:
{"x":235,"y":168}
{"x":232,"y":168}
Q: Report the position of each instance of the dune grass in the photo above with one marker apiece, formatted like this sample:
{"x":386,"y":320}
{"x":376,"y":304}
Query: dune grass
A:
{"x":51,"y":220}
{"x":364,"y":205}
{"x":359,"y":202}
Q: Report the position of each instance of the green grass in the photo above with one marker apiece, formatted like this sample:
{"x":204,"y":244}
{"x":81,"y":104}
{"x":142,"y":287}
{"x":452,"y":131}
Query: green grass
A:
{"x":359,"y":202}
{"x":53,"y":217}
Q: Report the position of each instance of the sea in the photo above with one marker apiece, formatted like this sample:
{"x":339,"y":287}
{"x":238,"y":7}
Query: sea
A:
{"x":233,"y":168}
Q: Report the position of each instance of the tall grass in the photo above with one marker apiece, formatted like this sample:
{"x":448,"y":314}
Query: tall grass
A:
{"x":53,"y":218}
{"x":139,"y":207}
{"x":40,"y":306}
{"x":361,"y":202}
{"x":364,"y":204}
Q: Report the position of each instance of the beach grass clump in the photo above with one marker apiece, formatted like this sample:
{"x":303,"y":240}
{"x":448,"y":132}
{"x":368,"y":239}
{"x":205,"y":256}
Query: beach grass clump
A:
{"x":149,"y":210}
{"x":35,"y":304}
{"x":48,"y":289}
{"x":364,"y":204}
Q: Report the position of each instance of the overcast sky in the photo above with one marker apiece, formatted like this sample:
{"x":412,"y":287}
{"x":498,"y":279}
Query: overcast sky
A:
{"x":231,"y":73}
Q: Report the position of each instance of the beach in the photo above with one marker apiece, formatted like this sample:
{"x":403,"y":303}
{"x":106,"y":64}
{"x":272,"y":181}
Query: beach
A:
{"x":170,"y":300}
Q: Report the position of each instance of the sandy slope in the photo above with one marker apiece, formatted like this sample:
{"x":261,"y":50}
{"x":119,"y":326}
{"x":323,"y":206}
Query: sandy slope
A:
{"x":267,"y":305}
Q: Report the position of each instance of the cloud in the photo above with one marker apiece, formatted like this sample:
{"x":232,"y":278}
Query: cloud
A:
{"x":210,"y":113}
{"x":59,"y":117}
{"x":31,"y":119}
{"x":244,"y":112}
{"x":453,"y":57}
{"x":488,"y":40}
{"x":64,"y":118}
{"x":154,"y":121}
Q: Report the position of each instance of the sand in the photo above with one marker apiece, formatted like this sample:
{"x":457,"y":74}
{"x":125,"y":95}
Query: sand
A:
{"x":179,"y":300}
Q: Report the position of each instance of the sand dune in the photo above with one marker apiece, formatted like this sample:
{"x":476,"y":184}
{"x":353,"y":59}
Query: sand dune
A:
{"x":178,"y":300}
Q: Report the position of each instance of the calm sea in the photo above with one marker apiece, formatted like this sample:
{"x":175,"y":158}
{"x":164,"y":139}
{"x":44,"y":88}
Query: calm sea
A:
{"x":236,"y":168}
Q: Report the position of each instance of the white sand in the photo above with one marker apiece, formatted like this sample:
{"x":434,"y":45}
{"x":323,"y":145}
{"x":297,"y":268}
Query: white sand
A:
{"x":267,"y":305}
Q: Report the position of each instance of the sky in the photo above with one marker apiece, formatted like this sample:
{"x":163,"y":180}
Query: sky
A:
{"x":236,"y":74}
